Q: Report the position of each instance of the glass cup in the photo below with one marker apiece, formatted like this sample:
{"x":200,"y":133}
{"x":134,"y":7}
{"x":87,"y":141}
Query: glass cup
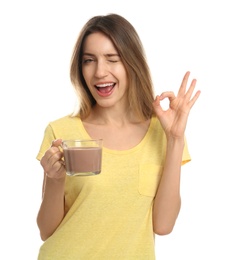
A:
{"x":82,"y":157}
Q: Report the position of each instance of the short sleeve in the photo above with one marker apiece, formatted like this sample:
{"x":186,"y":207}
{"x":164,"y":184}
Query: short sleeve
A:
{"x":49,"y":136}
{"x":186,"y":155}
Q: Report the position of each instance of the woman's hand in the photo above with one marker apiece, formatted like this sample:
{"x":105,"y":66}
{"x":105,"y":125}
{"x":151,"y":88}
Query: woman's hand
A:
{"x":52,"y":162}
{"x":174,"y":119}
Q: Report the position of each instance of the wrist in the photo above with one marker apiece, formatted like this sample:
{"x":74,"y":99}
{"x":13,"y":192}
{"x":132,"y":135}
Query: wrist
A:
{"x":180,"y":141}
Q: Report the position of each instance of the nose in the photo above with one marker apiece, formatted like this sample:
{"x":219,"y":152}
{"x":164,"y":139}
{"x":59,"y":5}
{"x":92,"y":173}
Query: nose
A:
{"x":101,"y":70}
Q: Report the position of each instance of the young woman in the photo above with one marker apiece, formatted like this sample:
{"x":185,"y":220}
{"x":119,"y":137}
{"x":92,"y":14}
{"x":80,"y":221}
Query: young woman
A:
{"x":114,"y":215}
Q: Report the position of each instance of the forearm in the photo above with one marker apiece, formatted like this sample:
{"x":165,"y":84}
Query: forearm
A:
{"x":51,"y":210}
{"x":167,"y":202}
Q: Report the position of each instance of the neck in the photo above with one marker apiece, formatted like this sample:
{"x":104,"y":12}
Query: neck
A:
{"x":111,"y":116}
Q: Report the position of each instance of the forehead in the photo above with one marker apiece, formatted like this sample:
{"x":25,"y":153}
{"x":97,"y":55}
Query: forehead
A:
{"x":98,"y":42}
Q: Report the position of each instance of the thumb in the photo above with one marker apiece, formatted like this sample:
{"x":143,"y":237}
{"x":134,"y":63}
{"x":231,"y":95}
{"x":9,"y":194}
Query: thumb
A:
{"x":56,"y":143}
{"x":156,"y":105}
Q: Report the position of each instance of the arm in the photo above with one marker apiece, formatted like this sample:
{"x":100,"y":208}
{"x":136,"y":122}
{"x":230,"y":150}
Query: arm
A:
{"x":167,"y":202}
{"x":51,"y":211}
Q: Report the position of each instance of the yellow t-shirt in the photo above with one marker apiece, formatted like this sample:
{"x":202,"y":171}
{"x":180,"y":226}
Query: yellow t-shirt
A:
{"x":109,"y":216}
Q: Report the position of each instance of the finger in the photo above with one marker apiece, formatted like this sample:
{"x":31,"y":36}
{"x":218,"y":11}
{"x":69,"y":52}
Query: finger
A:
{"x":156,"y":102}
{"x":168,"y":94}
{"x":183,"y":85}
{"x":58,"y":166}
{"x":191,"y":89}
{"x":194,"y":99}
{"x":51,"y":162}
{"x":156,"y":105}
{"x":53,"y":153}
{"x":49,"y":157}
{"x":57,"y":172}
{"x":56,"y":143}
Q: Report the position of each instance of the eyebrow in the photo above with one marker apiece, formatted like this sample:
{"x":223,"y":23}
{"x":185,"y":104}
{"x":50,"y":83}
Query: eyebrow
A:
{"x":107,"y":55}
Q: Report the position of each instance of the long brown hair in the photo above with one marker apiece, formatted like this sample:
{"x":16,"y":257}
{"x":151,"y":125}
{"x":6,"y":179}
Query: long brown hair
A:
{"x":129,"y":47}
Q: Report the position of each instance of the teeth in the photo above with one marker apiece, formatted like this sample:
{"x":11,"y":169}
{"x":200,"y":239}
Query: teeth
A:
{"x":105,"y":85}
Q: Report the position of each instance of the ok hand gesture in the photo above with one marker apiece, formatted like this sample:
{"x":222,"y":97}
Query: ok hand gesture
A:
{"x":174,"y":119}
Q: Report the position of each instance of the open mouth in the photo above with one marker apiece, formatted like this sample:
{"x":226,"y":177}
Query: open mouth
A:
{"x":105,"y":89}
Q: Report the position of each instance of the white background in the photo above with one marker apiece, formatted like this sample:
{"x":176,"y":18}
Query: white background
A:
{"x":36,"y":42}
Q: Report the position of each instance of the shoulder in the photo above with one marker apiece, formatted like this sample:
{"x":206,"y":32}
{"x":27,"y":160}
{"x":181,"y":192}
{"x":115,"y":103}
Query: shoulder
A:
{"x":63,"y":125}
{"x":66,"y":127}
{"x":65,"y":120}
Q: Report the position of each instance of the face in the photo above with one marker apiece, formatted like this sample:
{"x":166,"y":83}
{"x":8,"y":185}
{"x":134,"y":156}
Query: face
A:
{"x":103,"y":71}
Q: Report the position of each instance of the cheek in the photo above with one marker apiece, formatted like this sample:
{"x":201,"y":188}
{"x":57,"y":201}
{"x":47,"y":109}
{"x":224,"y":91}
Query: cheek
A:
{"x":86,"y":75}
{"x":120,"y":72}
{"x":124,"y":78}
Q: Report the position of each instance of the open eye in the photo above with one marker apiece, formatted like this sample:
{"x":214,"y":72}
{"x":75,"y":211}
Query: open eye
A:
{"x":87,"y":60}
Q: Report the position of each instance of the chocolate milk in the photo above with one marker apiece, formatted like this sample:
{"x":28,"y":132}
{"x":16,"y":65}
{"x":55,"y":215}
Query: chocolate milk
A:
{"x":83,"y":160}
